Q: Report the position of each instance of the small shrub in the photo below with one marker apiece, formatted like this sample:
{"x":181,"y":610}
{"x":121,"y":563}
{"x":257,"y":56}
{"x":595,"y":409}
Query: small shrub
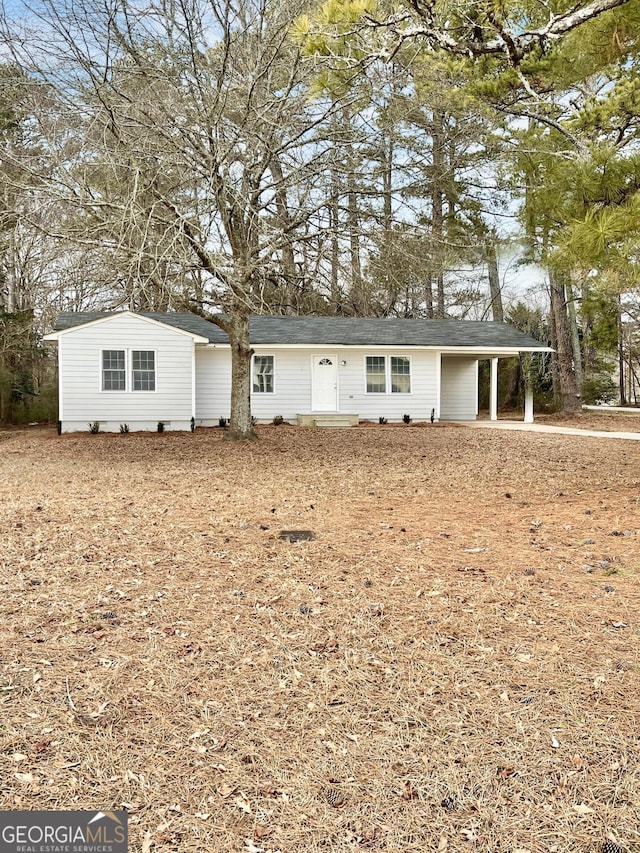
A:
{"x":222,"y":423}
{"x":124,"y":428}
{"x":278,"y":419}
{"x":406,"y":419}
{"x":160,"y":426}
{"x":382,"y":421}
{"x":94,"y":427}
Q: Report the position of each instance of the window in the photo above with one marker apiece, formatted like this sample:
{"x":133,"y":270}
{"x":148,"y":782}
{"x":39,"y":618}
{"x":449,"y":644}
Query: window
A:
{"x":376,"y":374}
{"x":263,"y":374}
{"x":400,"y":375}
{"x":384,"y":373}
{"x":143,"y":370}
{"x":116,"y":363}
{"x":113,"y":370}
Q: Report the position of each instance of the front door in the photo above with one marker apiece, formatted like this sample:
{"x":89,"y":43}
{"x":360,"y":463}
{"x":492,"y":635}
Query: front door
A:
{"x":324,"y":385}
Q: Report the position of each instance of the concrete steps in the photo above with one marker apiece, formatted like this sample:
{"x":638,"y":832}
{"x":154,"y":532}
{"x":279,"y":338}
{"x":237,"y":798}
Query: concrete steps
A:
{"x":331,"y":420}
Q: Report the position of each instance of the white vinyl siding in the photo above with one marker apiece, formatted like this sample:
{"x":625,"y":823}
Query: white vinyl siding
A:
{"x":418,"y":404}
{"x":459,"y":396}
{"x":291,"y":385}
{"x":81,"y":372}
{"x":213,"y":384}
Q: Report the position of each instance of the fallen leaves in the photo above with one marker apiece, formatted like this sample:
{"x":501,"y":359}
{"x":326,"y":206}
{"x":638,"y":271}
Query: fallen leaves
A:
{"x":225,"y":791}
{"x":578,"y":762}
{"x":261,"y":832}
{"x":409,"y":791}
{"x":438,"y":672}
{"x":25,"y":778}
{"x":582,"y":809}
{"x":506,"y":772}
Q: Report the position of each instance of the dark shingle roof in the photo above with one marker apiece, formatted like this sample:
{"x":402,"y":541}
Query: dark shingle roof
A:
{"x":347,"y":331}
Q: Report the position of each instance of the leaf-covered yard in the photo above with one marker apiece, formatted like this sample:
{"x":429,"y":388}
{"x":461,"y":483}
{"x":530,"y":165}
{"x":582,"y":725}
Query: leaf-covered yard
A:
{"x":450,"y":664}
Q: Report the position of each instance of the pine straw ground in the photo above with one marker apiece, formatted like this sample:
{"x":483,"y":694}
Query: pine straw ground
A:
{"x":451,"y":664}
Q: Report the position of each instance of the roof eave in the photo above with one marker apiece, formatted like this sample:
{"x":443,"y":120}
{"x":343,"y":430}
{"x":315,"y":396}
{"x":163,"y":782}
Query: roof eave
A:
{"x":462,"y":349}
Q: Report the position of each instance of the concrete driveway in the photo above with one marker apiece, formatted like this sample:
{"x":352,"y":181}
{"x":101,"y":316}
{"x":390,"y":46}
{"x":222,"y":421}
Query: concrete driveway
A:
{"x":519,"y":425}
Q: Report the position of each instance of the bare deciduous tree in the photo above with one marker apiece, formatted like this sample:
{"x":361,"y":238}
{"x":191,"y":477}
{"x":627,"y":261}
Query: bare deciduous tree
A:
{"x":179,"y":136}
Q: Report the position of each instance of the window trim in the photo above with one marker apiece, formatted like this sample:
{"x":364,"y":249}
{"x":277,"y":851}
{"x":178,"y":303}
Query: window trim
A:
{"x":102,"y":370}
{"x":366,"y":375}
{"x":155,"y":372}
{"x":128,"y":370}
{"x":410,"y":375}
{"x":388,"y":392}
{"x":273,"y":375}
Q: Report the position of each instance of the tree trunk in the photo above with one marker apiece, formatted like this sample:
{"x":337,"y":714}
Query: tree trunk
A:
{"x":437,"y":215}
{"x":428,"y":296}
{"x":357,"y":295}
{"x":241,"y":423}
{"x":555,"y":371}
{"x":575,"y":334}
{"x":570,"y":397}
{"x":334,"y":220}
{"x":288,"y":300}
{"x":621,"y":359}
{"x":389,"y":275}
{"x":497,"y":310}
{"x":353,"y":217}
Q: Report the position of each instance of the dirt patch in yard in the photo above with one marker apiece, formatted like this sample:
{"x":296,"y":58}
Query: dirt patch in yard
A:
{"x":449,"y":663}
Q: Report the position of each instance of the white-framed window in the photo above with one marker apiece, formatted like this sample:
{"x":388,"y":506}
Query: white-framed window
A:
{"x":263,"y":374}
{"x":128,"y":370}
{"x":388,"y":374}
{"x":143,"y":370}
{"x":400,"y":369}
{"x":114,"y":371}
{"x":376,"y":374}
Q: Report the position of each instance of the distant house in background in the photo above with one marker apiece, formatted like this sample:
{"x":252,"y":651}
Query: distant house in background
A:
{"x":142,"y":368}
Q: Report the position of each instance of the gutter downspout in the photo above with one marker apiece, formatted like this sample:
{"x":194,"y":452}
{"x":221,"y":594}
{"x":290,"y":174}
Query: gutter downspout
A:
{"x":438,"y":385}
{"x":60,"y":383}
{"x":193,"y":380}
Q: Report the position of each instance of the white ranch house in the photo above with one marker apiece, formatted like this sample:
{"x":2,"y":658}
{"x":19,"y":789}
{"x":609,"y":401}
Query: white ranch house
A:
{"x":142,"y":368}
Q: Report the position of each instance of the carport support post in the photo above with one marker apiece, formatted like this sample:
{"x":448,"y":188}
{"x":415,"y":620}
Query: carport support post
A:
{"x":493,"y":392}
{"x":528,"y":403}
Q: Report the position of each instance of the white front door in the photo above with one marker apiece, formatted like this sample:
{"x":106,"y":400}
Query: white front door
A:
{"x":324,"y":385}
